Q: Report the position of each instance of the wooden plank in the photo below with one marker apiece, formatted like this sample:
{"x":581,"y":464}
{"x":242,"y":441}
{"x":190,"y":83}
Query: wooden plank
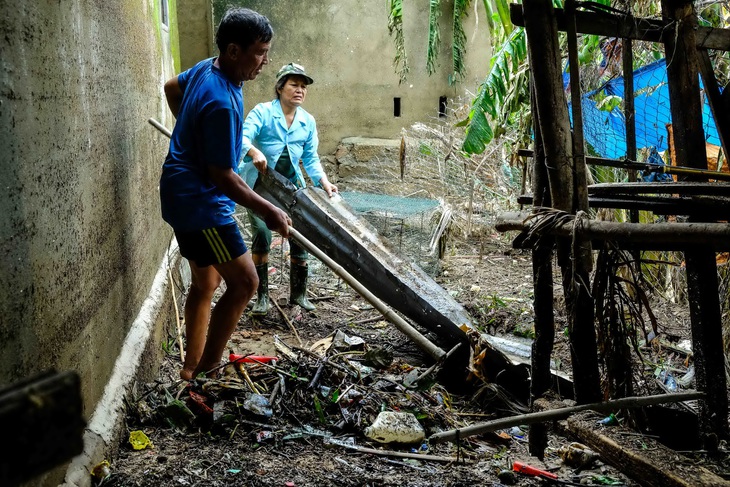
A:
{"x":645,"y":460}
{"x":627,"y":27}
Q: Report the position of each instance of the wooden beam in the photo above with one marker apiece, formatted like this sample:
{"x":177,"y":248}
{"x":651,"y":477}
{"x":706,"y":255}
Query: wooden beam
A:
{"x":645,"y":464}
{"x":702,"y":284}
{"x":682,"y":189}
{"x":677,"y":234}
{"x":627,"y":27}
{"x":643,"y":166}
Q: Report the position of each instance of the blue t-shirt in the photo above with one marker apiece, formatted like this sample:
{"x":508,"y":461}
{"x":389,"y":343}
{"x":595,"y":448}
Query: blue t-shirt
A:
{"x":208,"y":131}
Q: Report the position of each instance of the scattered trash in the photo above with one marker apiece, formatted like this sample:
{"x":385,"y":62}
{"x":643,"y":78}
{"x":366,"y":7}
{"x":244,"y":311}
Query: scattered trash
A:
{"x":577,"y":455}
{"x":177,"y":415}
{"x":687,"y":378}
{"x":259,"y":405}
{"x":253,"y":359}
{"x":396,"y":427}
{"x":380,"y":358}
{"x":264,"y":435}
{"x":101,"y":471}
{"x":341,"y":341}
{"x":609,"y":420}
{"x":533,"y":471}
{"x":606,"y":480}
{"x":507,"y":477}
{"x":139,"y":440}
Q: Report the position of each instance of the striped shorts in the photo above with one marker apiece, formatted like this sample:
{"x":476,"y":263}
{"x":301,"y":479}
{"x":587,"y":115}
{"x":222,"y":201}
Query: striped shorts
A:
{"x":214,"y":245}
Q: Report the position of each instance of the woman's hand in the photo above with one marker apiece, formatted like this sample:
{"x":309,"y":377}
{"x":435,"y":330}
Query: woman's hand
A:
{"x":258,"y":159}
{"x":330,"y":188}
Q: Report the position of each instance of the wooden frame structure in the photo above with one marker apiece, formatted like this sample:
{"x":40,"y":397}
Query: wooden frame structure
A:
{"x":560,"y":182}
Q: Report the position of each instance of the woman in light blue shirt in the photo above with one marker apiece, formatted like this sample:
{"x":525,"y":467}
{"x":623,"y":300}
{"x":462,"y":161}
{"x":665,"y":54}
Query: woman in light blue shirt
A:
{"x":277,"y":135}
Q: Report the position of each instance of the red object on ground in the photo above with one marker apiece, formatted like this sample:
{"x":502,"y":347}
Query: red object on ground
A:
{"x":251,"y":358}
{"x":529,"y":470}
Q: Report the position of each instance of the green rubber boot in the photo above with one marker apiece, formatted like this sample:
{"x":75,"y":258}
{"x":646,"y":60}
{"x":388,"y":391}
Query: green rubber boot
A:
{"x":298,"y":287}
{"x":261,"y":306}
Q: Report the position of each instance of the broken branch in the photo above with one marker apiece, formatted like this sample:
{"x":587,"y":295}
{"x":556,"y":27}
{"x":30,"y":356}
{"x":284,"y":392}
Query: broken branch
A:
{"x":562,"y":413}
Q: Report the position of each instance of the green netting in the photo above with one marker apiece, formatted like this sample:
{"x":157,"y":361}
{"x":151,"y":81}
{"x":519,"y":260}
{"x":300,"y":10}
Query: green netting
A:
{"x":395,"y":205}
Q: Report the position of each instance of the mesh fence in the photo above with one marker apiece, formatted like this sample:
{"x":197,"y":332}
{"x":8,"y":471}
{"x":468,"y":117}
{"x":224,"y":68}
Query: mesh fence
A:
{"x":603,"y":104}
{"x":422,"y":191}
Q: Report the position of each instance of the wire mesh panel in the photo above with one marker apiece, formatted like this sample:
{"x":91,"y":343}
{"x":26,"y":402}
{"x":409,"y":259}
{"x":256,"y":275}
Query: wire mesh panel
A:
{"x":408,"y":223}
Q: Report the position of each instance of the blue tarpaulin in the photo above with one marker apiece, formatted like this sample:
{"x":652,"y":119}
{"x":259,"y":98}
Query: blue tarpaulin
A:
{"x":605,"y":131}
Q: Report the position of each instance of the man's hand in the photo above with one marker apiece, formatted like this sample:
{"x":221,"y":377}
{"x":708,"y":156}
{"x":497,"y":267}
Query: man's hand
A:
{"x":258,"y":158}
{"x":278,"y":221}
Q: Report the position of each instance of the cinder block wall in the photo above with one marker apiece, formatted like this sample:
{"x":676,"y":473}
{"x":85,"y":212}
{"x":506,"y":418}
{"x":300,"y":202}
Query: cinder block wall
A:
{"x":81,"y":236}
{"x":345,"y":46}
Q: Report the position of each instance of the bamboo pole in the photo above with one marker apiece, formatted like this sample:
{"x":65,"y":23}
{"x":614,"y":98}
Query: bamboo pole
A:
{"x":562,"y":413}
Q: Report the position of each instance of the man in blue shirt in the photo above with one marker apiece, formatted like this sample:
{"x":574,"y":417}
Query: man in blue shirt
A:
{"x":199,"y":186}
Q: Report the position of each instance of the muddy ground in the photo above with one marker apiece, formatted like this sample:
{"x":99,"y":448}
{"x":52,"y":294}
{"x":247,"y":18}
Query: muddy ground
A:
{"x":301,"y":443}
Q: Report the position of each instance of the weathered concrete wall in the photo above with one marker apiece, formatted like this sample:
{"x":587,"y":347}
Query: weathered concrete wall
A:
{"x":81,"y":236}
{"x":345,"y":46}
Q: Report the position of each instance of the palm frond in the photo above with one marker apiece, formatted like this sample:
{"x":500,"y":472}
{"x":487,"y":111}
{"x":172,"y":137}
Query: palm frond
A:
{"x":434,"y":36}
{"x":458,"y":50}
{"x":497,"y":93}
{"x":395,"y":27}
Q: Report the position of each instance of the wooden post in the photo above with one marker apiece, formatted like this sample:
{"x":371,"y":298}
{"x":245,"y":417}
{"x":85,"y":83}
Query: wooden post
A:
{"x":719,"y":106}
{"x":575,"y":261}
{"x":542,"y":279}
{"x":630,"y":113}
{"x":689,"y":146}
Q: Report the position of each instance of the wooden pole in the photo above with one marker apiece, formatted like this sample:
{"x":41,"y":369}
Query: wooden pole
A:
{"x":575,"y":260}
{"x":542,"y":279}
{"x":702,"y":284}
{"x":562,"y":413}
{"x":677,"y":235}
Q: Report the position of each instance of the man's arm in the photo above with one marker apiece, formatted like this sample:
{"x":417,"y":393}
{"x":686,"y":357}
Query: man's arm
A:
{"x":235,"y":188}
{"x":174,"y":95}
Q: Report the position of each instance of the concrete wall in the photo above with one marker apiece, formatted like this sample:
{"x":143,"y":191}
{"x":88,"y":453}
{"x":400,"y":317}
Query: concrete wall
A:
{"x":81,"y":236}
{"x":345,"y":46}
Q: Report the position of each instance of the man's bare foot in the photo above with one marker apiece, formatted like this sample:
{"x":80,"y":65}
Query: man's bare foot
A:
{"x":186,"y":374}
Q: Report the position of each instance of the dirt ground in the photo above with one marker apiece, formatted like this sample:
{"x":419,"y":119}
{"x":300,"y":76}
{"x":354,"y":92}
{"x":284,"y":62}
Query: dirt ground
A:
{"x":309,"y":435}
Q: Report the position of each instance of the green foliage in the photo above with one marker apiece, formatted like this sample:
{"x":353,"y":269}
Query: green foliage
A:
{"x":501,"y":93}
{"x":458,"y":50}
{"x":434,"y":36}
{"x":395,"y":28}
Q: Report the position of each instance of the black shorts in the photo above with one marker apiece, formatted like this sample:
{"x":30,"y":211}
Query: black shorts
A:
{"x":211,"y":246}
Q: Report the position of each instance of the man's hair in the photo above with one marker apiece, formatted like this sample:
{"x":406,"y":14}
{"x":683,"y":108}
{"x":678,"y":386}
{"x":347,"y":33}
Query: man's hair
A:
{"x":244,"y":27}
